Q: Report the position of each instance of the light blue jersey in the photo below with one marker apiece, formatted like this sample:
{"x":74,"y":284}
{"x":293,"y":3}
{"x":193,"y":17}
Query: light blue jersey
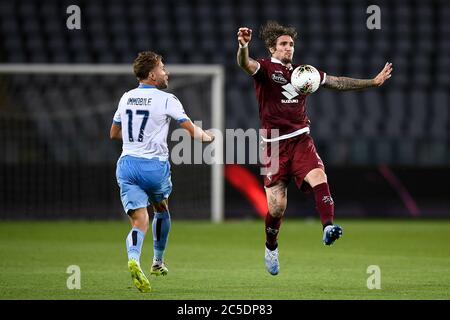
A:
{"x":144,"y":114}
{"x":143,"y":169}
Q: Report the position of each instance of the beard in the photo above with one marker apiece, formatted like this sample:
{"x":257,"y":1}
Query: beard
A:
{"x":164,"y":84}
{"x":287,"y":60}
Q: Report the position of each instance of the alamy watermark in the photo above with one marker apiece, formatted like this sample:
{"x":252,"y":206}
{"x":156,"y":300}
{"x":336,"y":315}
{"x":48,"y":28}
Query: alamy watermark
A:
{"x":73,"y":21}
{"x":242,"y":147}
{"x":374,"y":20}
{"x":74,"y":280}
{"x":374,"y":280}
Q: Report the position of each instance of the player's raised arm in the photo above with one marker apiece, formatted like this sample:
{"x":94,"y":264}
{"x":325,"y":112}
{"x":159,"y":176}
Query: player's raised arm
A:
{"x":344,"y":83}
{"x":243,"y":60}
{"x":196,"y":132}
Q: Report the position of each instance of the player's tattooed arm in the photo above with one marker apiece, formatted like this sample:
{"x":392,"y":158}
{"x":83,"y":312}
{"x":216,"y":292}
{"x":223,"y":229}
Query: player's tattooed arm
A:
{"x":344,"y":83}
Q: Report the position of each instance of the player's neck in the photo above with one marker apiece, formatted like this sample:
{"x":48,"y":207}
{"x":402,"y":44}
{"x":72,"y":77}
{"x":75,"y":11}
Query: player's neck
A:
{"x":288,"y":64}
{"x":148,"y":83}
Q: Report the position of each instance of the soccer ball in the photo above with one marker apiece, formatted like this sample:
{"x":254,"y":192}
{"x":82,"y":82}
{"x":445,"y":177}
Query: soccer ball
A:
{"x":305,"y":79}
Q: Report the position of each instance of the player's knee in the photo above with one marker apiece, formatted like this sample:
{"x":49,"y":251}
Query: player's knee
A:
{"x":316,"y":176}
{"x":139,"y":219}
{"x":277,"y":211}
{"x":141,"y":224}
{"x":144,"y":227}
{"x":162,"y":206}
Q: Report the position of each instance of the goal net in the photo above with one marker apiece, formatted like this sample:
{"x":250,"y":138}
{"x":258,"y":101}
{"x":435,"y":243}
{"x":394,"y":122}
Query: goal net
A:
{"x":57,"y":160}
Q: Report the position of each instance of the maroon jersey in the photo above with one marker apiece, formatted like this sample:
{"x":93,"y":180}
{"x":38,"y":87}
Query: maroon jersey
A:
{"x":280,"y":106}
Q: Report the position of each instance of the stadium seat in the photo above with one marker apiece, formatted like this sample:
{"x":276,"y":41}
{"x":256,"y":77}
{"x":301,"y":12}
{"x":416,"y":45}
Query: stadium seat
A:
{"x":332,"y":36}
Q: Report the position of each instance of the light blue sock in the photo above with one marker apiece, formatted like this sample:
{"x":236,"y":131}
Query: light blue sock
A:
{"x":160,"y":229}
{"x":134,"y":242}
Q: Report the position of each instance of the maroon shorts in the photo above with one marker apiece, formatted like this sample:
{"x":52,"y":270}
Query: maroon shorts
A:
{"x":297,"y":156}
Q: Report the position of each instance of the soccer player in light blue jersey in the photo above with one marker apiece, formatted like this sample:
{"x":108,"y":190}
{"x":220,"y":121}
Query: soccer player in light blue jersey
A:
{"x":143,"y":170}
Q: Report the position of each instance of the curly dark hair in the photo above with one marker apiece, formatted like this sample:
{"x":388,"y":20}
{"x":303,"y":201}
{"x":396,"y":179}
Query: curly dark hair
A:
{"x":272,"y":30}
{"x":144,"y":63}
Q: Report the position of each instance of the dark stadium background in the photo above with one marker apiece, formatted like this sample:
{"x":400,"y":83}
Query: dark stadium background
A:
{"x":386,"y":150}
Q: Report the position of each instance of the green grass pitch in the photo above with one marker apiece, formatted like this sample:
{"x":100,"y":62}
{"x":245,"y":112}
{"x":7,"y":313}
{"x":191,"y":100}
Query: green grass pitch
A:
{"x":225,"y":261}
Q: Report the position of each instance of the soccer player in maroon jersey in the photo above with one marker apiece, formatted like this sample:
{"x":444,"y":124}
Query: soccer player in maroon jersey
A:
{"x":282,"y":108}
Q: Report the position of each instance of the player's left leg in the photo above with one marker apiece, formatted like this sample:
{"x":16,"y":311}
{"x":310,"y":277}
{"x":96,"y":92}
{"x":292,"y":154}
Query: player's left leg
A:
{"x":139,"y":222}
{"x":317,"y":179}
{"x":134,"y":201}
{"x":309,"y":174}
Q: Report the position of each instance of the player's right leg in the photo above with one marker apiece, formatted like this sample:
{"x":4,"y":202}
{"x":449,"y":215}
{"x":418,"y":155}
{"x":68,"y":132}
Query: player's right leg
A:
{"x":277,"y":201}
{"x":160,"y":229}
{"x":158,"y":184}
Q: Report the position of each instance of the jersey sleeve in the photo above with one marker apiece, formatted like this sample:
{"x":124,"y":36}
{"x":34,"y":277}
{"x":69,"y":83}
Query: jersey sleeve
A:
{"x":323,"y":76}
{"x":261,"y":72}
{"x":116,"y":119}
{"x":175,"y":110}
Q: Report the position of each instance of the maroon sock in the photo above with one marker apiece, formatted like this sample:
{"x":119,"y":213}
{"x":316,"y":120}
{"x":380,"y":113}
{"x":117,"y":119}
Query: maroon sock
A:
{"x":272,"y":228}
{"x":324,"y":203}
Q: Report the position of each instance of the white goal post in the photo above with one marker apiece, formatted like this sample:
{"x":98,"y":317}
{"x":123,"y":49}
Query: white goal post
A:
{"x":217,"y":74}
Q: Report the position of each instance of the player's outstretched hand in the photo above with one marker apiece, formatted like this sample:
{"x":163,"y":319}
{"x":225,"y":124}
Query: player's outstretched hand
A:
{"x":244,"y":35}
{"x":210,"y":134}
{"x":384,"y":74}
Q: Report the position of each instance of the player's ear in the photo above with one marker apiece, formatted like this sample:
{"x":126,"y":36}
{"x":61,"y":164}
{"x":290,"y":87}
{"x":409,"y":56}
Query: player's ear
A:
{"x":272,"y":50}
{"x":151,"y":76}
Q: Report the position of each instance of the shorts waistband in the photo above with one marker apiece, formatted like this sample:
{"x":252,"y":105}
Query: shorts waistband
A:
{"x":128,"y":156}
{"x":287,"y":136}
